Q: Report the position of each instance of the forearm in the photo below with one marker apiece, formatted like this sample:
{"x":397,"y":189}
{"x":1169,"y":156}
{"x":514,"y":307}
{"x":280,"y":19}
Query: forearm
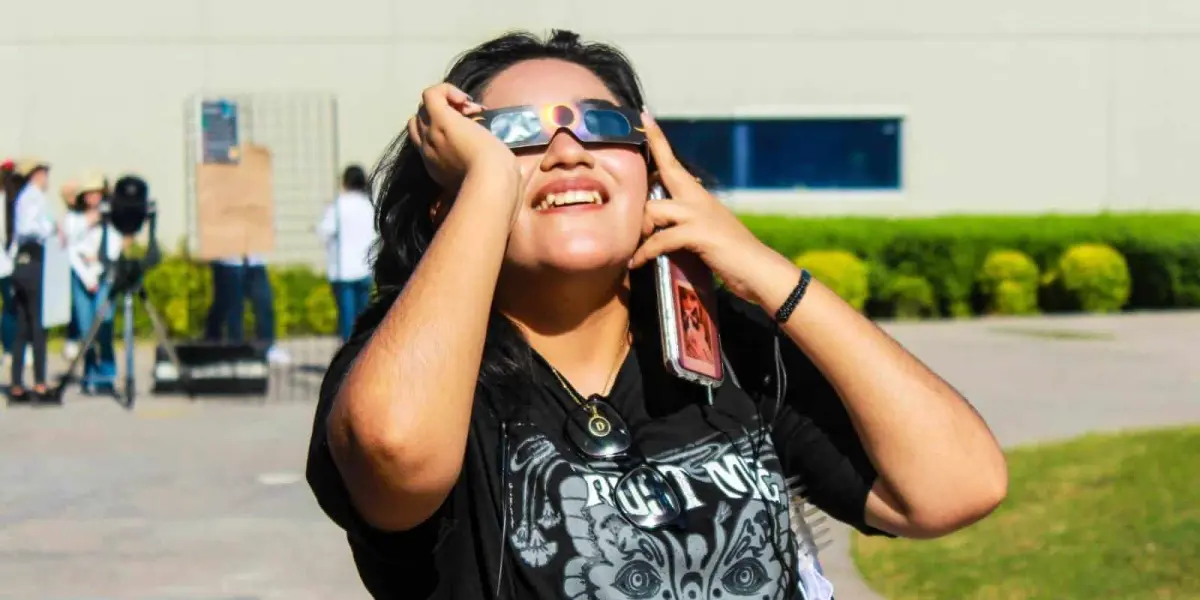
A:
{"x":941,"y":466}
{"x":399,"y":424}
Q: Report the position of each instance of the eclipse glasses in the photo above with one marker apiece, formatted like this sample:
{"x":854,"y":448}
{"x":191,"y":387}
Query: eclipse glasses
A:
{"x":596,"y":121}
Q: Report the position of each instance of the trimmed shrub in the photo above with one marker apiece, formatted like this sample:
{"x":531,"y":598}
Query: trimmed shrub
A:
{"x":1162,"y":249}
{"x":181,"y":289}
{"x":320,"y":310}
{"x":1094,"y":277}
{"x":843,"y":272}
{"x":911,"y":297}
{"x":1009,"y":283}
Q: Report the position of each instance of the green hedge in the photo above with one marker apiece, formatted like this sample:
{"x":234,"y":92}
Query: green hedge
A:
{"x":903,"y":268}
{"x":1162,"y":251}
{"x":181,"y":288}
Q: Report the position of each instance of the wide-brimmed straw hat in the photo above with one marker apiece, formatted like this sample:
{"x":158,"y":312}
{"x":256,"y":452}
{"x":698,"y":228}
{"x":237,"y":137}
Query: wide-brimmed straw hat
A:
{"x":69,"y":192}
{"x":92,"y":181}
{"x":26,"y":166}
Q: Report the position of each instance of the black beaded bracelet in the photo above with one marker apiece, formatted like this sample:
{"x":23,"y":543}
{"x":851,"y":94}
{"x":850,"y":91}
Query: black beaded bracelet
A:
{"x":793,"y":299}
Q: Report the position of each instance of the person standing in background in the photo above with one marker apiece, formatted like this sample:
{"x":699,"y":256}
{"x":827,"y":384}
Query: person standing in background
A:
{"x":234,"y":279}
{"x":86,"y":232}
{"x":30,"y":226}
{"x":8,"y":315}
{"x":71,"y":340}
{"x":348,"y":230}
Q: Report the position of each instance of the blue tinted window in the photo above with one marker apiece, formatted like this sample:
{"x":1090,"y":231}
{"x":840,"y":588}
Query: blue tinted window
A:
{"x":708,"y":145}
{"x":830,"y":154}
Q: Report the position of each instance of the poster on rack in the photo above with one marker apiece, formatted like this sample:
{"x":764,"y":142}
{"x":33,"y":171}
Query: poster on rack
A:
{"x":56,"y":284}
{"x":219,"y":132}
{"x":236,"y":206}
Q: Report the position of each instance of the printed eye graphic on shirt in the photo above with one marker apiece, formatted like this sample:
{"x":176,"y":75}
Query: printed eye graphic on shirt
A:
{"x":741,"y":507}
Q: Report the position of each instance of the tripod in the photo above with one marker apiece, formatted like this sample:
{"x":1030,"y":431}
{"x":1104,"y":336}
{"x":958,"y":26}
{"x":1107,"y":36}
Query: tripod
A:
{"x":126,"y":277}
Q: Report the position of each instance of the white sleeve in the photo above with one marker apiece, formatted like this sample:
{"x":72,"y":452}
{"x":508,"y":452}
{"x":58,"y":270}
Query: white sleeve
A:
{"x":75,"y":228}
{"x":33,"y":217}
{"x":114,"y":243}
{"x":327,"y":228}
{"x":81,"y":268}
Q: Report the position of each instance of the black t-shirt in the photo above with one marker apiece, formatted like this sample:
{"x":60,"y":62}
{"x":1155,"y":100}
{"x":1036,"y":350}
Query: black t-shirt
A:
{"x":546,"y":524}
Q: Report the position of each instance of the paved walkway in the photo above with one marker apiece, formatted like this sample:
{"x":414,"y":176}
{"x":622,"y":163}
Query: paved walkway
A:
{"x":205,"y":500}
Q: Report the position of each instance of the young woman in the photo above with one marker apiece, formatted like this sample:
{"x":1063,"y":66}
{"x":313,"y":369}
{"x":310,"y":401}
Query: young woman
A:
{"x":501,"y":424}
{"x":348,"y":229}
{"x":86,"y":234}
{"x":31,"y":225}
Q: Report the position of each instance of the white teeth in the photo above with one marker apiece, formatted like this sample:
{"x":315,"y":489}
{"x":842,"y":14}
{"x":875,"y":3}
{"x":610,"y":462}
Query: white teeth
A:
{"x":569,"y":198}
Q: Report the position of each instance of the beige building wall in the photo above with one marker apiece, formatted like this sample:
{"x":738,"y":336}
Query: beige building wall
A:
{"x":1025,"y":106}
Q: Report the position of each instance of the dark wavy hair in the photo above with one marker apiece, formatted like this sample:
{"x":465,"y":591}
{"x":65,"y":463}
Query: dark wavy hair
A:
{"x":406,"y":194}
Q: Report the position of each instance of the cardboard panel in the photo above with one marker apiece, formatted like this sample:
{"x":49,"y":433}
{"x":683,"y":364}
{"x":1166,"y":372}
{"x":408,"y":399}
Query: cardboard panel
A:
{"x":236,"y":206}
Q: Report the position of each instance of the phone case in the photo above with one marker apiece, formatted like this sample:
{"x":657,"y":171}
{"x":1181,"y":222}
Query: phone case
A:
{"x":687,"y":315}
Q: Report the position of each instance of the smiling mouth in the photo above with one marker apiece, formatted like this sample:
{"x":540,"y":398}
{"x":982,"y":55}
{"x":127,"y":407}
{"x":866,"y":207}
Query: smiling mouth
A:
{"x":570,"y":198}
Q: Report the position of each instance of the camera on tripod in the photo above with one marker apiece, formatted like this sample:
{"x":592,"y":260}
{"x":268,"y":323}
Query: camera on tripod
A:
{"x":127,"y":209}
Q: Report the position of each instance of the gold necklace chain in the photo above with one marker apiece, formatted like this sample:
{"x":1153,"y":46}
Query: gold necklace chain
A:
{"x":598,"y":424}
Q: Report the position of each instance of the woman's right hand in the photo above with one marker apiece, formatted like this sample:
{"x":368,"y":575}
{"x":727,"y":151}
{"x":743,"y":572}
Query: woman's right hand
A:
{"x":451,"y":144}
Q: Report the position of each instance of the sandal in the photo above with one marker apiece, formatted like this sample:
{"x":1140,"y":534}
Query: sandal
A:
{"x":45,"y":396}
{"x":17,"y":395}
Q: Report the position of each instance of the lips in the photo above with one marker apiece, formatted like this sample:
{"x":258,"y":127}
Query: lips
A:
{"x":576,"y":191}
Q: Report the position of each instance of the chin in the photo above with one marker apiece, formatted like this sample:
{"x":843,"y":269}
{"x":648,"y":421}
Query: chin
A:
{"x":582,"y":255}
{"x":582,"y":264}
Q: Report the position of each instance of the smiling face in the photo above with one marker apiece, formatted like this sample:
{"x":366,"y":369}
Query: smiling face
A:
{"x":583,"y":205}
{"x":93,"y":198}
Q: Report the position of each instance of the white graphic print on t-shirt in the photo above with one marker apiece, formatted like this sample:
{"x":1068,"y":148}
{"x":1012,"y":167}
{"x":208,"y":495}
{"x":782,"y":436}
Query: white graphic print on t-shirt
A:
{"x":738,"y":543}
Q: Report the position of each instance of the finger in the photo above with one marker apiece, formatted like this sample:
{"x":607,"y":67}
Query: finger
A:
{"x":663,"y":213}
{"x":457,"y":97}
{"x":660,"y":148}
{"x":419,"y":133}
{"x":443,"y":99}
{"x":672,"y":174}
{"x":414,"y":132}
{"x":471,"y":109}
{"x":659,"y":243}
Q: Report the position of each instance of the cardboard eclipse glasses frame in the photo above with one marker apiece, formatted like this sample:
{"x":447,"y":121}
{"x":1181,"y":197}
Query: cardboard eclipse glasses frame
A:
{"x":596,"y":121}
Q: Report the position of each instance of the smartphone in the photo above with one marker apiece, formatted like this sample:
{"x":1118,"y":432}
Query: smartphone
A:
{"x":687,"y":314}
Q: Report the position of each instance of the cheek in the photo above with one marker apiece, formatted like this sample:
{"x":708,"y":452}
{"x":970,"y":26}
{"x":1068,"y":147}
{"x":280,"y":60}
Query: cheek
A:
{"x":628,"y":169}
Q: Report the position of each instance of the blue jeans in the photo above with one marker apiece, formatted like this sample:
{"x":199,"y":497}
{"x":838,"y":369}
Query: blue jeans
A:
{"x":231,"y":286}
{"x":8,"y":316}
{"x":99,"y":364}
{"x":351,"y":298}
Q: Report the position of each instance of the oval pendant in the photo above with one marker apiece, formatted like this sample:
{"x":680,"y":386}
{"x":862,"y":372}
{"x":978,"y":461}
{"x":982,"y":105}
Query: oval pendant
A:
{"x":598,"y":426}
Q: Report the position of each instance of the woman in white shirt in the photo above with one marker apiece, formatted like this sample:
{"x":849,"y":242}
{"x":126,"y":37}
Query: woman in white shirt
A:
{"x":348,"y":230}
{"x":31,"y":225}
{"x":86,"y":234}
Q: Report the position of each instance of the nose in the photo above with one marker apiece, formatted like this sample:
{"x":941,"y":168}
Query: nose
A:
{"x":566,"y":152}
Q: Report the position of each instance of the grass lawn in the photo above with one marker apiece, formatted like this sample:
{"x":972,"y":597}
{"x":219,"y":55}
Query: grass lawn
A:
{"x":1103,"y":517}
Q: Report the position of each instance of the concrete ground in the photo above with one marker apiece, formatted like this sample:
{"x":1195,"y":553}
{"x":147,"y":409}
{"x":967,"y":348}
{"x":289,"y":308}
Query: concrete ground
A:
{"x":205,"y":500}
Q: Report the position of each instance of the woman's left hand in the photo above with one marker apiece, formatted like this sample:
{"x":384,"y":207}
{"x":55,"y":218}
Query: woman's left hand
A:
{"x":694,"y":220}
